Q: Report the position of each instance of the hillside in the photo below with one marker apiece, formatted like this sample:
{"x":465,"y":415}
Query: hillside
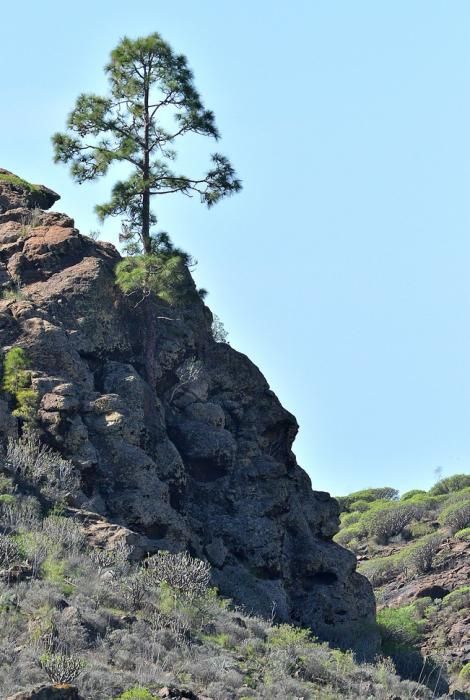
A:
{"x":415,"y":550}
{"x":127,"y":426}
{"x":157,"y":537}
{"x":172,"y":434}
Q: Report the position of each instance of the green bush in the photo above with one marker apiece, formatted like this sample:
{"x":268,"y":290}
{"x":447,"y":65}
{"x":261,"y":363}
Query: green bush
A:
{"x":387,"y":520}
{"x":456,"y":516}
{"x":458,"y":599}
{"x":386,"y":493}
{"x":420,"y":555}
{"x":410,"y":494}
{"x":17,"y":383}
{"x":286,"y":636}
{"x":465,"y":673}
{"x":450,"y":484}
{"x":423,"y":502}
{"x":347,"y":534}
{"x":348,"y":519}
{"x":416,"y":557}
{"x":463,"y":534}
{"x":163,"y":273}
{"x":6,"y":484}
{"x":361,"y":505}
{"x":7,"y":499}
{"x":136,"y":694}
{"x":419,"y":529}
{"x":400,"y":626}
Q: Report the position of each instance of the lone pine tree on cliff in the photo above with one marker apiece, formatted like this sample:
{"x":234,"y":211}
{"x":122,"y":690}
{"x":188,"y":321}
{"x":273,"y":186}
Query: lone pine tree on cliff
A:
{"x":152,"y":102}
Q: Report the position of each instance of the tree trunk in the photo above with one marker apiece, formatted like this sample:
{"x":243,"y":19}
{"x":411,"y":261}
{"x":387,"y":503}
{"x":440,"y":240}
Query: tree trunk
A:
{"x":150,"y":341}
{"x":146,"y":239}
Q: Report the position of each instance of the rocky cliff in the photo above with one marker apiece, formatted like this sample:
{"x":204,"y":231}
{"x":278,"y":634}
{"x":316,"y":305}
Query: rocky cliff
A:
{"x":198,"y":458}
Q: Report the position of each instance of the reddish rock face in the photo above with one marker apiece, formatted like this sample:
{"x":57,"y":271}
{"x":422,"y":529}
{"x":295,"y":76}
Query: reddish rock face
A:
{"x":203,"y":464}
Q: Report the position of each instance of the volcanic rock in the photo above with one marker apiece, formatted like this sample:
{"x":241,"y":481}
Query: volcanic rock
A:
{"x":204,"y":465}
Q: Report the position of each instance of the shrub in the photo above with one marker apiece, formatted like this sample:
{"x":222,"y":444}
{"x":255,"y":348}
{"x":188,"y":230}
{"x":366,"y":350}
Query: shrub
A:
{"x":423,"y":502}
{"x":416,"y":557}
{"x":34,"y":547}
{"x":64,"y":532}
{"x":385,"y":493}
{"x":20,"y":516}
{"x":347,"y":534}
{"x":419,"y":529}
{"x":17,"y":382}
{"x":450,"y":484}
{"x":421,"y":555}
{"x":463,"y":534}
{"x":456,"y":516}
{"x":400,"y":626}
{"x":6,"y":485}
{"x":163,"y":273}
{"x":386,"y":522}
{"x":61,"y":668}
{"x":348,"y":519}
{"x":360,"y":506}
{"x":7,"y":498}
{"x":464,"y":674}
{"x":381,"y":569}
{"x":15,"y":371}
{"x":41,"y":466}
{"x":9,"y":552}
{"x":186,"y":576}
{"x":137,"y":694}
{"x":19,"y":182}
{"x":458,"y":599}
{"x":219,"y":332}
{"x":288,"y":636}
{"x":409,"y":494}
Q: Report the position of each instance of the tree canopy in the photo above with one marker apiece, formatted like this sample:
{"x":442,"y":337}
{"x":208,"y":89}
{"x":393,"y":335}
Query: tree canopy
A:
{"x":152,"y":103}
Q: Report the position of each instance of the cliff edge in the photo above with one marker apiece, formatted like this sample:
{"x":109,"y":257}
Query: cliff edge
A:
{"x":200,"y":457}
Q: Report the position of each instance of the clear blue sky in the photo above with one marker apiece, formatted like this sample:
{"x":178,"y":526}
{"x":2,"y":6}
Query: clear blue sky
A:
{"x":343,"y":268}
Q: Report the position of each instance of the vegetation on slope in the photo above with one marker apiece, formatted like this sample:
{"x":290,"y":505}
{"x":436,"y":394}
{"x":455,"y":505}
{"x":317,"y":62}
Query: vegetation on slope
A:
{"x":18,"y":182}
{"x":115,"y":628}
{"x":408,"y":547}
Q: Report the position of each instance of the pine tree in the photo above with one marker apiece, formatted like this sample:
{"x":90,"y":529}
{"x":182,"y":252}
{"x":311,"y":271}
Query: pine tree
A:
{"x":152,"y":102}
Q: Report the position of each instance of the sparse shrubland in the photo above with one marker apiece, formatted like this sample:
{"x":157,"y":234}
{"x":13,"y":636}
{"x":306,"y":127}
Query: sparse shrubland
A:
{"x":401,"y":542}
{"x":123,"y":629}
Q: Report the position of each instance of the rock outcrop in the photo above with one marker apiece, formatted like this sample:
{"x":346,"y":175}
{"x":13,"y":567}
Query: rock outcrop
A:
{"x":48,"y":692}
{"x":197,"y":458}
{"x":16,"y":193}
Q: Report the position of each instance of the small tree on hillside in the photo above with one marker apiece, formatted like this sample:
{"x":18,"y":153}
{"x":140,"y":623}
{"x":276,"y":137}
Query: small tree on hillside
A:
{"x":152,"y":102}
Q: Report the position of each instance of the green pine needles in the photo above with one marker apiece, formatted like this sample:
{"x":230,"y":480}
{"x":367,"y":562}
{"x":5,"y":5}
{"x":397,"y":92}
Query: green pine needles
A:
{"x":17,"y":383}
{"x":152,"y":103}
{"x":163,"y":273}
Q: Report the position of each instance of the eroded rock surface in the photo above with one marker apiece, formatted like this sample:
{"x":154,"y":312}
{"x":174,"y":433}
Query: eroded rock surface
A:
{"x":203,"y":464}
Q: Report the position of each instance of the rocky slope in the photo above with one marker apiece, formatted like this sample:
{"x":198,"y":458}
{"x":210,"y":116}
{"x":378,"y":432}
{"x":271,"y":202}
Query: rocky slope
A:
{"x":191,"y":453}
{"x":416,"y":552}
